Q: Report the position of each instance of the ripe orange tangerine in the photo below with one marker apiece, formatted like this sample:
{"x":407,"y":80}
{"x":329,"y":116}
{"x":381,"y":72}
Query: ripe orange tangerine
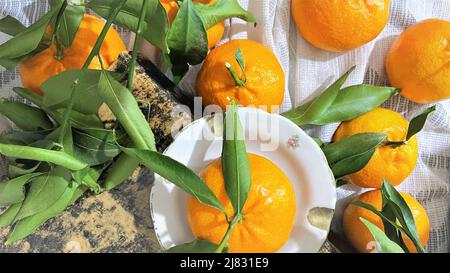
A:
{"x":392,"y":164}
{"x":262,"y":77}
{"x":269,"y":212}
{"x":35,"y":71}
{"x":340,"y":25}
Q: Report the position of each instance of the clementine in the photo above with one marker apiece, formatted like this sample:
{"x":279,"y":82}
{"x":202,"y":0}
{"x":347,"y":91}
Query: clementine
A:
{"x":215,"y":33}
{"x":361,"y":238}
{"x":340,"y":25}
{"x":393,"y":164}
{"x":35,"y":71}
{"x":262,"y":77}
{"x":418,"y":61}
{"x":268,"y":213}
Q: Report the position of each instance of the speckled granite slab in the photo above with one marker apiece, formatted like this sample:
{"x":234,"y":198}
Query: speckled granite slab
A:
{"x":114,"y":221}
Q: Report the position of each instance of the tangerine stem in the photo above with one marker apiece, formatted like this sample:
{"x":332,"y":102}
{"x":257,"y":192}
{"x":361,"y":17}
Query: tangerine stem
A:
{"x":136,"y":45}
{"x":59,"y":48}
{"x":233,"y":73}
{"x":96,"y":49}
{"x":225,"y":239}
{"x":395,"y":144}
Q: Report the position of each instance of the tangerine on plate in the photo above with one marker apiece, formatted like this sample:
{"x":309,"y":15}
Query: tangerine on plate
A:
{"x":35,"y":71}
{"x":268,"y":213}
{"x":418,"y":61}
{"x":264,"y":85}
{"x":361,"y":238}
{"x":340,"y":25}
{"x":393,"y":164}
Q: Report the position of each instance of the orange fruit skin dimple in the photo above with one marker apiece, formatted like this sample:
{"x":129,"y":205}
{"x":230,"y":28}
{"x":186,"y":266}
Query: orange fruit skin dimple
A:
{"x":358,"y":234}
{"x":393,"y":164}
{"x":35,"y":71}
{"x":265,"y":77}
{"x":269,"y":211}
{"x":418,"y":62}
{"x":340,"y":25}
{"x":215,"y":33}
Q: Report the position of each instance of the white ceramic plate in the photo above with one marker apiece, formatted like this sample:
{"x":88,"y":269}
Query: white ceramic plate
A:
{"x":271,"y":136}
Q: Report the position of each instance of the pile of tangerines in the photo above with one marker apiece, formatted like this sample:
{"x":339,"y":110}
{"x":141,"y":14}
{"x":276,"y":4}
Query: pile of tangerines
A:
{"x":417,"y":63}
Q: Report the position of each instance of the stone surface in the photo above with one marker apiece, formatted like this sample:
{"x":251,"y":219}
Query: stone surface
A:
{"x":114,"y":221}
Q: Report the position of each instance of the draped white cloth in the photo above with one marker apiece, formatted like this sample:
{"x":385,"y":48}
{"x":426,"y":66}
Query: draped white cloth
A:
{"x":309,"y":69}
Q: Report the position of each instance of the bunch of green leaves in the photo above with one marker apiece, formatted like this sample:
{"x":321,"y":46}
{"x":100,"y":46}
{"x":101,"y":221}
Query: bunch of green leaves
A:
{"x":352,"y":154}
{"x":45,"y":174}
{"x":62,"y":150}
{"x":336,"y":104}
{"x":398,"y":221}
{"x":185,"y":41}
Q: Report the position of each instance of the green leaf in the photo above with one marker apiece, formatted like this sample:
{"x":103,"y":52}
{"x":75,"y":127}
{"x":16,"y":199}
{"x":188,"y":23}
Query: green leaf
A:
{"x":155,"y":27}
{"x":239,"y":56}
{"x":88,"y":177}
{"x":197,"y":246}
{"x":120,"y":171}
{"x":352,"y":153}
{"x":11,"y":26}
{"x":214,"y":13}
{"x":26,"y":41}
{"x":78,"y":120}
{"x":402,"y":212}
{"x":28,"y":225}
{"x":92,"y":150}
{"x":106,"y":135}
{"x":125,"y":108}
{"x":352,"y":145}
{"x":23,"y":137}
{"x":29,"y":95}
{"x":235,"y":163}
{"x":391,"y":231}
{"x":16,"y":171}
{"x":308,"y":113}
{"x":418,"y":122}
{"x":67,"y":140}
{"x":355,"y":101}
{"x":70,"y":22}
{"x":378,"y":213}
{"x":44,"y":191}
{"x":177,"y":173}
{"x":7,"y":217}
{"x":187,"y":40}
{"x":384,"y":244}
{"x":12,"y":191}
{"x":26,"y":117}
{"x":341,"y":182}
{"x":31,"y":153}
{"x":352,"y":164}
{"x":58,"y":88}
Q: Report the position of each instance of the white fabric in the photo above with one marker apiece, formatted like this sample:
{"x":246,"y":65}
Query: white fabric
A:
{"x":309,"y":69}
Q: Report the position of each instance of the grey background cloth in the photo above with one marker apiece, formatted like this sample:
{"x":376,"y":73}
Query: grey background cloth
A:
{"x":308,"y":69}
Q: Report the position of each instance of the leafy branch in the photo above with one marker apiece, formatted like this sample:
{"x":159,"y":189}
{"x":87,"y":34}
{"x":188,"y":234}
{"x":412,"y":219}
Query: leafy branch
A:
{"x":336,"y":104}
{"x":393,"y":205}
